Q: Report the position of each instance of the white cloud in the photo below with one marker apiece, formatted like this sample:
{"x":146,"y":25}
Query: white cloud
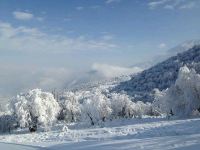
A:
{"x":23,"y":15}
{"x":101,"y":72}
{"x":112,"y":1}
{"x":110,"y":71}
{"x":34,"y":40}
{"x":154,"y":4}
{"x":173,"y":4}
{"x":162,"y":45}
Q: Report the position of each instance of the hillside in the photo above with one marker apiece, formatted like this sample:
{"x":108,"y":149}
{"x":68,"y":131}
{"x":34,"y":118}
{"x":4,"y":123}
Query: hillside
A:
{"x":160,"y":76}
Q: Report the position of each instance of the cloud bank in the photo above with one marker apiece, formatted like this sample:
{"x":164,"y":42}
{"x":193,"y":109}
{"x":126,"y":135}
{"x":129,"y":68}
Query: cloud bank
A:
{"x":15,"y":79}
{"x":110,"y":71}
{"x":26,"y":39}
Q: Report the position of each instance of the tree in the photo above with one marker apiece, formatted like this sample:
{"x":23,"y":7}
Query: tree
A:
{"x":35,"y":108}
{"x":123,"y":106}
{"x":70,"y":107}
{"x":183,"y":98}
{"x":96,"y":107}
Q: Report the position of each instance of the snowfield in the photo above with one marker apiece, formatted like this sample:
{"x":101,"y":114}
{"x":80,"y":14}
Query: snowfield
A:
{"x":146,"y":133}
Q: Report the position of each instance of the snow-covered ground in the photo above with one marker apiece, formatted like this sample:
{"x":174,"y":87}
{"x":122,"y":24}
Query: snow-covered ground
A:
{"x":146,"y":133}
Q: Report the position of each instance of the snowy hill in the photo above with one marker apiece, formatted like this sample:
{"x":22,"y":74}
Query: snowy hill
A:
{"x":160,"y":76}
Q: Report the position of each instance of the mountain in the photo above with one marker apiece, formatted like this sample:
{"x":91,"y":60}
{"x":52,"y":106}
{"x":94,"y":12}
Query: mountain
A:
{"x":160,"y":76}
{"x":169,"y":53}
{"x":183,"y":47}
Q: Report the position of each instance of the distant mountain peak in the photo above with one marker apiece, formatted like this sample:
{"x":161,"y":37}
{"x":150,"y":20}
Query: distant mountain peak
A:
{"x":183,"y":47}
{"x":171,"y":52}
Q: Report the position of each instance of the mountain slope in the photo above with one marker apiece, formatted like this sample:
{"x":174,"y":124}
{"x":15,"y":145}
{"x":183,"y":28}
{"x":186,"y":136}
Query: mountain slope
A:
{"x":160,"y":76}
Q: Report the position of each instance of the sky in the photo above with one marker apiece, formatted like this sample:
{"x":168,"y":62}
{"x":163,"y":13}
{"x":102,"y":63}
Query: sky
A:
{"x":50,"y":43}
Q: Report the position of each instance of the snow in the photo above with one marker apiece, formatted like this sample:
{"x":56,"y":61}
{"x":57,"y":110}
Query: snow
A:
{"x":146,"y":133}
{"x":12,"y":146}
{"x":137,"y":144}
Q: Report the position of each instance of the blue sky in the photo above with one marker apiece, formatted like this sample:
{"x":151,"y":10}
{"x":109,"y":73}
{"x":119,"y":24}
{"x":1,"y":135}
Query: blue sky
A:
{"x":73,"y":35}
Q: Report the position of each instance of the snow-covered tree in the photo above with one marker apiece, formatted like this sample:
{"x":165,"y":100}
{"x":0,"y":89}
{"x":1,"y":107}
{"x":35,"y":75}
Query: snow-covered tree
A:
{"x":183,"y":98}
{"x":70,"y":107}
{"x":96,"y":107}
{"x":35,"y":108}
{"x":121,"y":105}
{"x":159,"y":105}
{"x":141,"y":108}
